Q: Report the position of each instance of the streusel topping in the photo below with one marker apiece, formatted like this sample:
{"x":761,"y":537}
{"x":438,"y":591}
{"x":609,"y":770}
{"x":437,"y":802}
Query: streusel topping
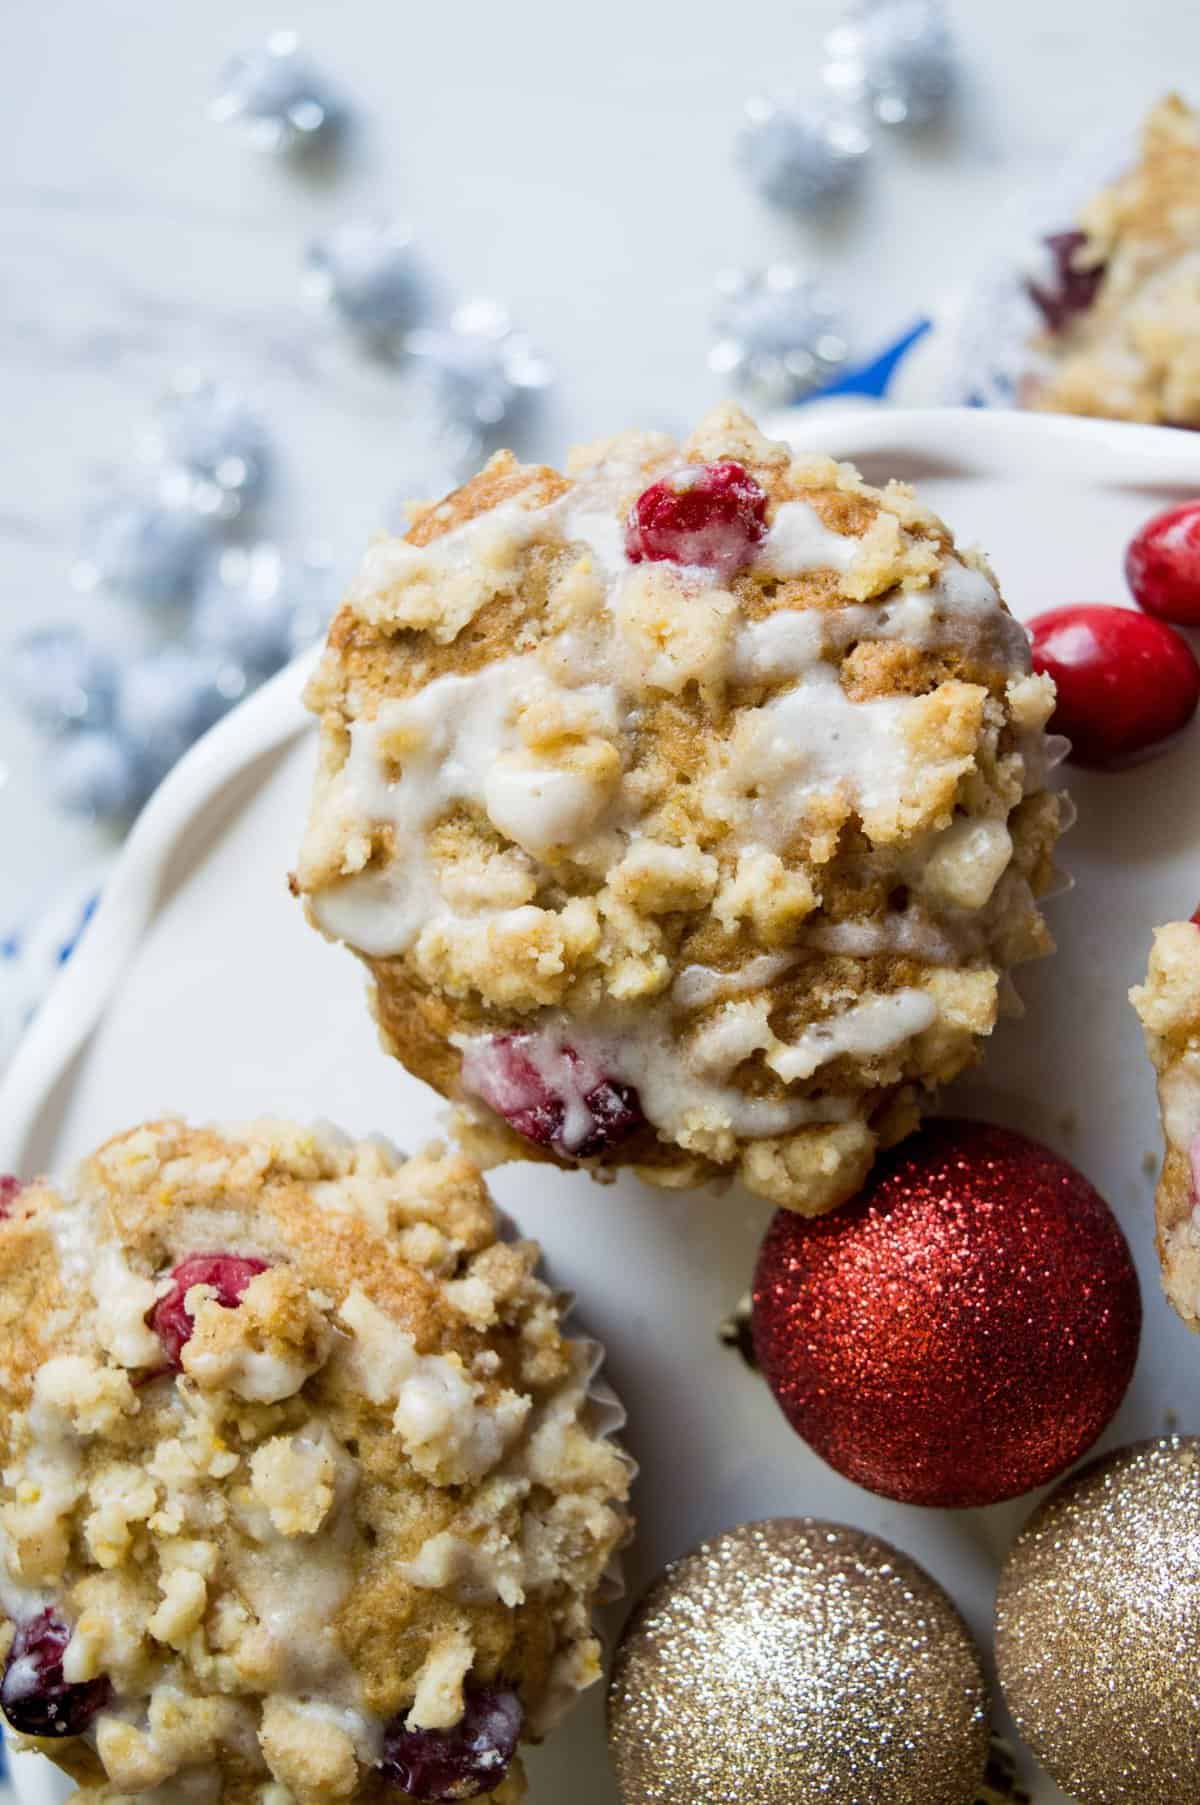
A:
{"x":306,"y":1496}
{"x":1133,"y":353}
{"x":699,"y":866}
{"x":1169,"y":1006}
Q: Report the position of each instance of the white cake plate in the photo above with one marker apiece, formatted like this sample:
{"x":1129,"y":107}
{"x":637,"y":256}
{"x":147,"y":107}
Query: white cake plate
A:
{"x":198,"y":987}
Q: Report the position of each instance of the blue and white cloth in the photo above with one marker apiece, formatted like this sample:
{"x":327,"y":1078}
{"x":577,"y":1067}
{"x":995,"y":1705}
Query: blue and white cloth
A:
{"x":34,"y":950}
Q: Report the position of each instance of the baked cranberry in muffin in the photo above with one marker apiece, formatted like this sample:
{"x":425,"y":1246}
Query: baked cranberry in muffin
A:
{"x":305,"y":1492}
{"x":687,"y":809}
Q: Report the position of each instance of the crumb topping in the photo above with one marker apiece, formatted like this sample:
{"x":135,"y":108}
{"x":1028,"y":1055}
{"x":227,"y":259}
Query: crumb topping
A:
{"x":1169,"y":1006}
{"x":553,"y":780}
{"x":1134,"y":352}
{"x":375,"y":1479}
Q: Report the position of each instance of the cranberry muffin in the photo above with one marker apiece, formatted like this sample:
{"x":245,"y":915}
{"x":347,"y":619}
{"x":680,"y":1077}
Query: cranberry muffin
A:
{"x":306,"y":1496}
{"x":1120,"y":292}
{"x":1169,"y":1006}
{"x":687,"y":810}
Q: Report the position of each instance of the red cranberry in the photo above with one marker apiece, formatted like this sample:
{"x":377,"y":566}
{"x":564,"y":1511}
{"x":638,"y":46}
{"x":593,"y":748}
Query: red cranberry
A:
{"x":1071,"y":290}
{"x":708,"y":514}
{"x":551,"y":1094}
{"x":1162,"y":565}
{"x":227,"y":1273}
{"x":10,"y":1190}
{"x":461,"y":1763}
{"x":34,"y":1697}
{"x":1125,"y":682}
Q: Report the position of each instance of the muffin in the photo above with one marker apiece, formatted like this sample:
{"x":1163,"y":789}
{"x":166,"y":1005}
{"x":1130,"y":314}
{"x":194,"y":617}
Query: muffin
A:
{"x":306,"y":1496}
{"x":1169,"y":1006}
{"x":686,"y":810}
{"x":1120,"y":293}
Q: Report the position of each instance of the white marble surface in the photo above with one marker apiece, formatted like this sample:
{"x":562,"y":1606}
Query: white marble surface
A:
{"x":573,"y":161}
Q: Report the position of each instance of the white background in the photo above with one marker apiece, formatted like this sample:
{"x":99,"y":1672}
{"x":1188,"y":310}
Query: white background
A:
{"x":573,"y":161}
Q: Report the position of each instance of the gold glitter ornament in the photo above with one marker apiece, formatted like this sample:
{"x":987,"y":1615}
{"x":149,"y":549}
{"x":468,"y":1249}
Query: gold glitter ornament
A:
{"x":1098,"y":1628}
{"x":795,"y":1662}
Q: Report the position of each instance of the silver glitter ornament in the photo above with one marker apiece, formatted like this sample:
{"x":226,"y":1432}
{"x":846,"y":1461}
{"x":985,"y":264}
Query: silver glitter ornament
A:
{"x":779,"y":335}
{"x":801,"y":156}
{"x":793,"y":1662}
{"x":60,"y":679}
{"x":258,"y":607}
{"x":367,"y":271}
{"x":242,"y":613}
{"x":276,"y":98}
{"x":213,"y":446}
{"x":143,"y":549}
{"x":166,"y":700}
{"x":311,"y":586}
{"x":897,"y":56}
{"x":479,"y":366}
{"x":95,"y":773}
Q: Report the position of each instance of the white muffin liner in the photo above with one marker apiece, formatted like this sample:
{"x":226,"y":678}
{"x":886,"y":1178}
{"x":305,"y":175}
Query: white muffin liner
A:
{"x":607,"y":1417}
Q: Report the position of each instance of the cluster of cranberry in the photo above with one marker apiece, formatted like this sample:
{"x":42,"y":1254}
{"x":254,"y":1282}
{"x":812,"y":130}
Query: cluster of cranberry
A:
{"x":1128,"y":682}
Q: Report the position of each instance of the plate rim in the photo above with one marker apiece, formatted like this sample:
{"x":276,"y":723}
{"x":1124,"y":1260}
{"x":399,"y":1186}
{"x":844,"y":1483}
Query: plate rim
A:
{"x":76,"y":1000}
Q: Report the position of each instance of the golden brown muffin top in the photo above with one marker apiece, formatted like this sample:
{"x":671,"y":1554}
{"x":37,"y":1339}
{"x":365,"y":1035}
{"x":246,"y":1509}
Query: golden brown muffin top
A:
{"x":753,"y":835}
{"x":296,"y":1454}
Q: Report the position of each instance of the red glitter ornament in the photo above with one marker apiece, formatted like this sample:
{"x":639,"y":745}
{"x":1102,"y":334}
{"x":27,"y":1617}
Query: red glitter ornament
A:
{"x":959,"y":1333}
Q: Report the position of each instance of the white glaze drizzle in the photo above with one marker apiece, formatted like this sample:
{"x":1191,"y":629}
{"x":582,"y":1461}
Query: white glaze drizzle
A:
{"x":874,"y":1025}
{"x":1179,"y":1094}
{"x":806,"y":741}
{"x":699,"y":985}
{"x":599,"y":529}
{"x":389,"y":560}
{"x":365,"y":1731}
{"x":907,"y":932}
{"x":677,"y":1084}
{"x":296,"y":1585}
{"x":960,"y":609}
{"x":798,"y":540}
{"x":18,"y":1601}
{"x":460,"y":746}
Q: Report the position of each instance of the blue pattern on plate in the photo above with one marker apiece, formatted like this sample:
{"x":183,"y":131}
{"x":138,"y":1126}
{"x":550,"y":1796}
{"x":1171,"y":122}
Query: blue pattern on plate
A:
{"x":873,"y":378}
{"x":33,"y":953}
